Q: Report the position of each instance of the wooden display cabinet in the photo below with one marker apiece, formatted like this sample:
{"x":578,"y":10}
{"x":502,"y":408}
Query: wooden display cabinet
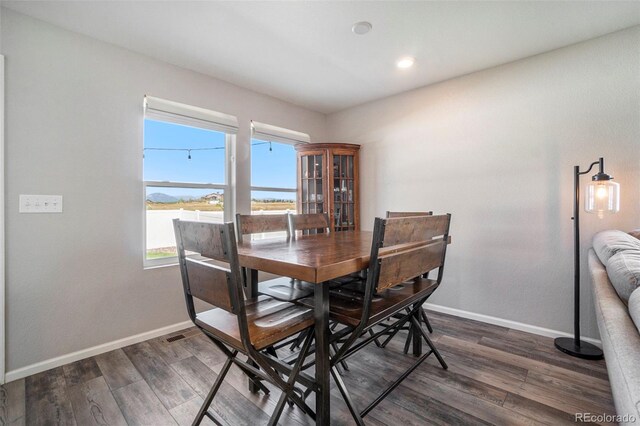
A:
{"x":328,"y":182}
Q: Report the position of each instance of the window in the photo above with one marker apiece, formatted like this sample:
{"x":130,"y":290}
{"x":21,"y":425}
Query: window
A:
{"x":273,"y":169}
{"x":186,"y":169}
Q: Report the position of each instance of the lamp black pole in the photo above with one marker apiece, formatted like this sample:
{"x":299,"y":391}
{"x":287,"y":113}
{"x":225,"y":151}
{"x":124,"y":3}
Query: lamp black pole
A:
{"x":574,"y":346}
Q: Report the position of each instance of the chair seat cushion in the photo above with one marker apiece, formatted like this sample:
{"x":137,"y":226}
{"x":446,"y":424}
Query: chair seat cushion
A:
{"x":269,"y":321}
{"x":345,"y":304}
{"x":286,"y":289}
{"x":623,"y":269}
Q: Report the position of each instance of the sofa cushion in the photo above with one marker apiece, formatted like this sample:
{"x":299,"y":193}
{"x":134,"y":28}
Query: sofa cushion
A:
{"x":634,"y":308}
{"x":623,"y":269}
{"x":635,"y":233}
{"x":608,"y":243}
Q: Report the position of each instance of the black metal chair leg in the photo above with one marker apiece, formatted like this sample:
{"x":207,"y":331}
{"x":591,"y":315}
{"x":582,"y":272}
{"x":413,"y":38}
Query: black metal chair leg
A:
{"x":253,"y":383}
{"x":343,"y":363}
{"x":377,"y":342}
{"x":393,"y":333}
{"x":408,"y":342}
{"x":426,"y":320}
{"x":278,"y":410}
{"x":423,"y":317}
{"x":296,"y":343}
{"x":431,"y":345}
{"x":214,"y":389}
{"x":389,"y":337}
{"x":347,"y":398}
{"x":272,"y":351}
{"x":289,"y":390}
{"x":256,"y":382}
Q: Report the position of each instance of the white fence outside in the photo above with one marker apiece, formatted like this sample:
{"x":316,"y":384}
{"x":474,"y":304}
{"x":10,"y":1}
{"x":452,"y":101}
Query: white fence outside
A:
{"x":160,"y":228}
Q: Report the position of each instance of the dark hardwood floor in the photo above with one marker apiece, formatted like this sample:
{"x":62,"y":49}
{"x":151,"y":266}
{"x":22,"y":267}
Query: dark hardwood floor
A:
{"x":496,"y":376}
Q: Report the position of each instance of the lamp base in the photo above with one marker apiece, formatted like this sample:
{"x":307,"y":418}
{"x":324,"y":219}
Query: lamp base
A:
{"x":585,"y":350}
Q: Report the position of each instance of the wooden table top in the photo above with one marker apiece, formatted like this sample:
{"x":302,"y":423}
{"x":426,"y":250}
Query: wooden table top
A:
{"x":312,"y":258}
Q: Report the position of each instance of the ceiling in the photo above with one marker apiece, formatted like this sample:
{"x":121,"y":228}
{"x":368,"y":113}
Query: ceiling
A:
{"x":304,"y":52}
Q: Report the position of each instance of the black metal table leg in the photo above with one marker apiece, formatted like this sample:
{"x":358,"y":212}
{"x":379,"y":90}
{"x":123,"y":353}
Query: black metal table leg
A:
{"x":323,"y":365}
{"x":417,"y":336}
{"x":252,"y":292}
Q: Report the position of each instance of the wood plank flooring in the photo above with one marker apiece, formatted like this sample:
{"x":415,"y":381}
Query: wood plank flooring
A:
{"x":496,"y":376}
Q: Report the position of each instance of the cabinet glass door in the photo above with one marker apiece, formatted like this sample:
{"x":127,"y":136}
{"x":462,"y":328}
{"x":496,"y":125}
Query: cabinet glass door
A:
{"x":343,"y":192}
{"x":312,"y":171}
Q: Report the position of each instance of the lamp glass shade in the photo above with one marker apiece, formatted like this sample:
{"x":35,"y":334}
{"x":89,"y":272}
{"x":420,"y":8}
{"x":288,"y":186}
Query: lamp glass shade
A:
{"x":602,"y":197}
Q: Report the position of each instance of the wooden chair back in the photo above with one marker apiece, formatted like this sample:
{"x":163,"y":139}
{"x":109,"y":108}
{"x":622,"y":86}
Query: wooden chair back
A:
{"x":414,"y":229}
{"x":391,"y":214}
{"x":217,"y":285}
{"x":403,"y":248}
{"x":408,"y":247}
{"x":257,"y":224}
{"x":308,"y":223}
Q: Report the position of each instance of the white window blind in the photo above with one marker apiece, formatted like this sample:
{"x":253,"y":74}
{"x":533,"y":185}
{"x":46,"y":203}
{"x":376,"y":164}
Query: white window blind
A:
{"x":267,"y":132}
{"x":175,"y":112}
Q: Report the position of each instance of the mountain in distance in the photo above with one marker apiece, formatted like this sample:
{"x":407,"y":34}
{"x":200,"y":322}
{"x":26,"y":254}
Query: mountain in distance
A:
{"x":159,"y":197}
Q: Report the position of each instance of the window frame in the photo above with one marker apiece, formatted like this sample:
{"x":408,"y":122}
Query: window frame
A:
{"x":270,"y":188}
{"x":228,"y":189}
{"x":273,"y":134}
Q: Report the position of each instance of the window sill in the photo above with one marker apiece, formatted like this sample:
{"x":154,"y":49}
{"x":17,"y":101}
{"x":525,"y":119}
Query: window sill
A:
{"x":169,"y":261}
{"x":160,"y":263}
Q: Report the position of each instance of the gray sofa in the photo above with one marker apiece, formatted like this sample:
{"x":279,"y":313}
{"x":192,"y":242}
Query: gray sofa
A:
{"x":614,"y":263}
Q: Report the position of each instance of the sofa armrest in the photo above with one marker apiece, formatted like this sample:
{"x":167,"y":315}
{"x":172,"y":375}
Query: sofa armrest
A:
{"x":620,"y":341}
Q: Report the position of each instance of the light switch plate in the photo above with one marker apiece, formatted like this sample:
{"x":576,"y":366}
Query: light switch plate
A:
{"x":40,"y":203}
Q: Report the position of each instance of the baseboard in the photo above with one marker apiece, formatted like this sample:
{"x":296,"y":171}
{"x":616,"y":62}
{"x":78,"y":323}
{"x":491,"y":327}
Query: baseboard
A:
{"x":92,"y":351}
{"x":131,"y":340}
{"x":507,"y":323}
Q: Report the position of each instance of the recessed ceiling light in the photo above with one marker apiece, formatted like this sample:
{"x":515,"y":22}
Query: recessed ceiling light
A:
{"x":361,"y":28}
{"x":406,"y":62}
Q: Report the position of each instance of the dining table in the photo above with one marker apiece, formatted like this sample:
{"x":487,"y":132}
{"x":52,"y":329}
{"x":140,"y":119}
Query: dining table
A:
{"x":317,"y":259}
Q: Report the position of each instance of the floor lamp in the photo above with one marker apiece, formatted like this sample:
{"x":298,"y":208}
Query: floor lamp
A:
{"x":603,"y":196}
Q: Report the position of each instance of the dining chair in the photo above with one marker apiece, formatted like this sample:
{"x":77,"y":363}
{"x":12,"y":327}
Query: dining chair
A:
{"x":308,"y":223}
{"x":423,"y":314}
{"x":403,"y":249}
{"x":248,"y":224}
{"x":359,"y":286}
{"x":236,"y":325}
{"x":282,"y":288}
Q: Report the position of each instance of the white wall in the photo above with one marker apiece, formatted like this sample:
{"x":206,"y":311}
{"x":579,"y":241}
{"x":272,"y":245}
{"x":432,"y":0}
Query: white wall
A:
{"x":74,"y":127}
{"x":496,"y":149}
